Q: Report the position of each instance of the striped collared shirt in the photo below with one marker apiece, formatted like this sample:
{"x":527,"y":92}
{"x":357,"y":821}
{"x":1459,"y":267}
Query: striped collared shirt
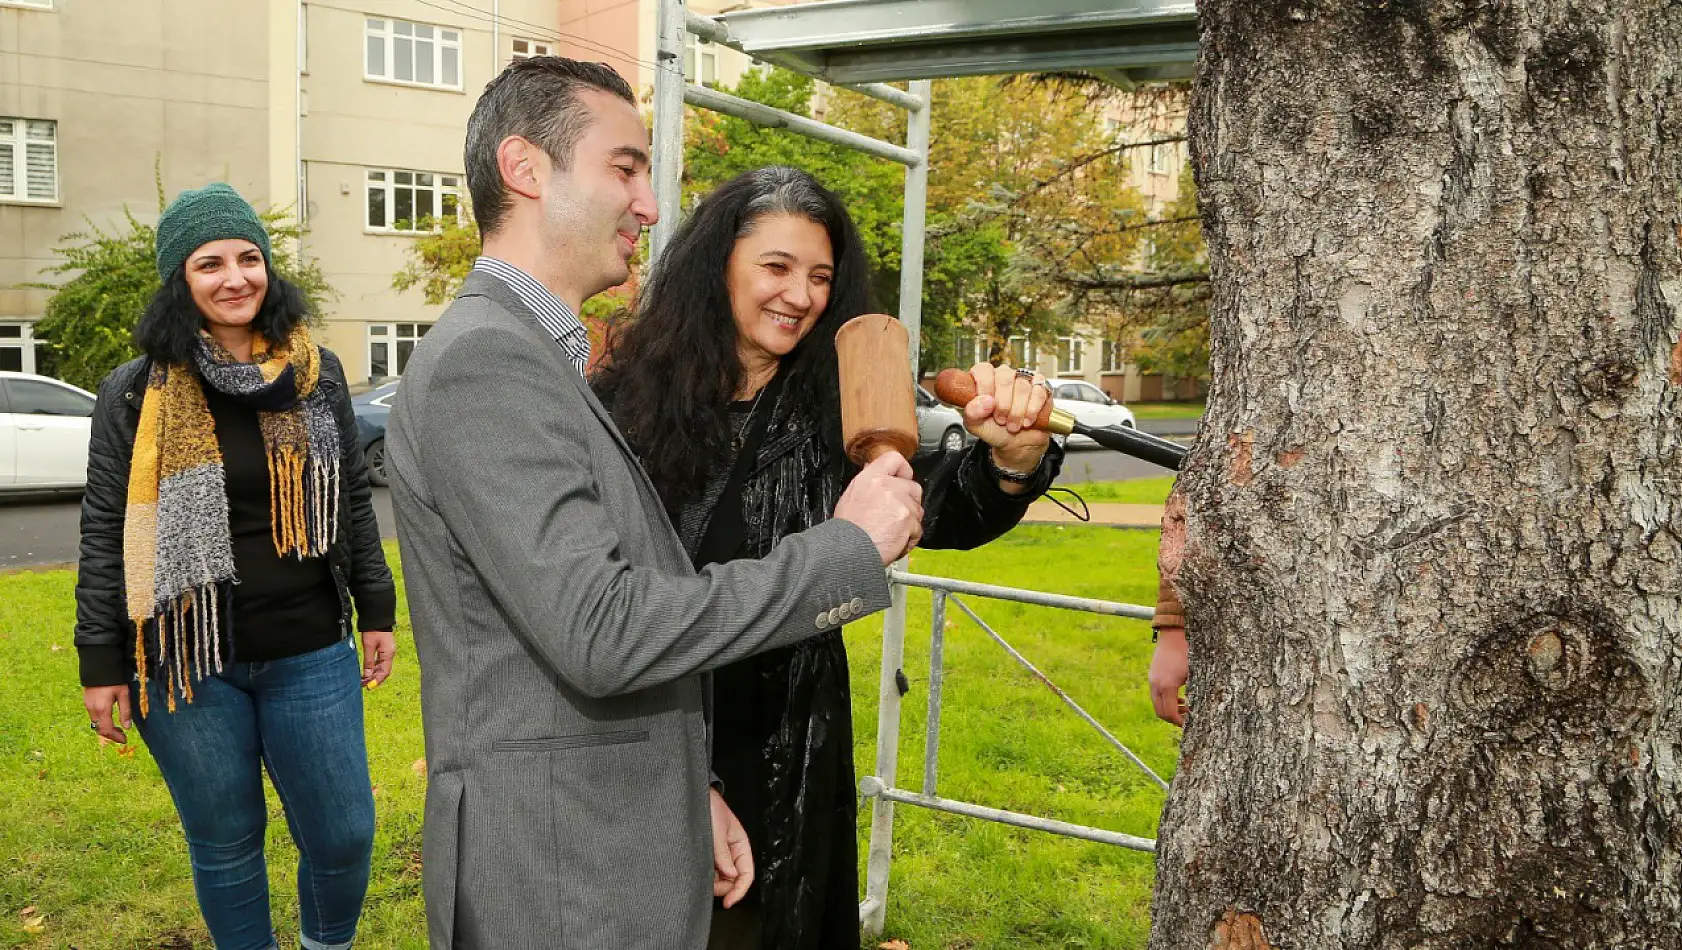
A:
{"x":555,"y":315}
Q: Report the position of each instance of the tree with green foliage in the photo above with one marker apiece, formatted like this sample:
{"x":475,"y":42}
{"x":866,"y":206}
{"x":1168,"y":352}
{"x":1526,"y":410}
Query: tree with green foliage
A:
{"x":1027,"y":195}
{"x":1159,"y":312}
{"x":88,"y":329}
{"x":1026,"y":192}
{"x":719,"y":147}
{"x":440,"y":260}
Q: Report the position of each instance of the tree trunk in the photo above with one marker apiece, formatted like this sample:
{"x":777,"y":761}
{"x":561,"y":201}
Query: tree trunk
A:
{"x":1434,"y":571}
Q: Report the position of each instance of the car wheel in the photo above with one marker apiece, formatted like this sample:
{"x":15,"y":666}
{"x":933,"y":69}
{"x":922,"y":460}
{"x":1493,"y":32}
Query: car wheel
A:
{"x":952,"y":440}
{"x":376,"y":463}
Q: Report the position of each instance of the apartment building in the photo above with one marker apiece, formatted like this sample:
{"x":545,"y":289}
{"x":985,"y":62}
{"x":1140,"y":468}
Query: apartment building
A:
{"x":91,"y":101}
{"x":1090,"y":353}
{"x":350,"y":112}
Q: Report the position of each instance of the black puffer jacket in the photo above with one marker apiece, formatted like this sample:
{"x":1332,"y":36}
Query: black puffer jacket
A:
{"x":104,"y":632}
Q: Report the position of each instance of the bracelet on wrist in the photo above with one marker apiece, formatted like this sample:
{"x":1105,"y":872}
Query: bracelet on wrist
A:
{"x":1019,"y":478}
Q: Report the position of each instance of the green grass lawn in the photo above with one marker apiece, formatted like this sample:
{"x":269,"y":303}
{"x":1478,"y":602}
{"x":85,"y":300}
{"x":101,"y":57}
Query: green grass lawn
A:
{"x":1166,"y":410}
{"x":1138,"y":491}
{"x":88,"y":837}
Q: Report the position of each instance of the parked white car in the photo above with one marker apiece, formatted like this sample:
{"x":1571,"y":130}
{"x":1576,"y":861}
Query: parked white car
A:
{"x":1090,"y":406}
{"x":44,"y":427}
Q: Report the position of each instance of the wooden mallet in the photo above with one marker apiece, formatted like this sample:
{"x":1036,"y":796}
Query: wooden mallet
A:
{"x":878,"y":409}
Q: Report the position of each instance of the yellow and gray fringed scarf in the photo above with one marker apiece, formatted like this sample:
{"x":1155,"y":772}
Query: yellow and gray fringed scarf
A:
{"x":178,"y":559}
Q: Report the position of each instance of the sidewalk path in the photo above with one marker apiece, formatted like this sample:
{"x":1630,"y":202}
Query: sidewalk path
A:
{"x":1110,"y":513}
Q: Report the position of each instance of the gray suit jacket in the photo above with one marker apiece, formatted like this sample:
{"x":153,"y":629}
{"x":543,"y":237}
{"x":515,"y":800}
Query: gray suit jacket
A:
{"x":563,"y":639}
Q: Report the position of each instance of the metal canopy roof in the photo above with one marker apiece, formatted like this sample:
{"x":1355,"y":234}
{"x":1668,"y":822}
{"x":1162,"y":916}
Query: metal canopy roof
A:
{"x":860,"y":41}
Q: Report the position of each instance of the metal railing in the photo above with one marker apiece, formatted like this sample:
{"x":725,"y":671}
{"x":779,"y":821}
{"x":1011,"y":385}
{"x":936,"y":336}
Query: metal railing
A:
{"x":880,"y":787}
{"x":674,"y":23}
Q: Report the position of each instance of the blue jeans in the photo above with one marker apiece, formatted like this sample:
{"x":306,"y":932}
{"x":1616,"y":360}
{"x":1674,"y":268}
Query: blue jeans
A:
{"x":301,"y":718}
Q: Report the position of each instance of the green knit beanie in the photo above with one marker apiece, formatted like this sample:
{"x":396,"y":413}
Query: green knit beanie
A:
{"x":215,"y":212}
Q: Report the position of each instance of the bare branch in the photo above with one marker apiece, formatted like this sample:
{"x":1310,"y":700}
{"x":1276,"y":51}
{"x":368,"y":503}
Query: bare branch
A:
{"x":1139,"y":282}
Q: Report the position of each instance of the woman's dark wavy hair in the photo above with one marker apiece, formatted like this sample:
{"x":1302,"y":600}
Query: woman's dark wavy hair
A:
{"x":169,"y":329}
{"x":672,"y":372}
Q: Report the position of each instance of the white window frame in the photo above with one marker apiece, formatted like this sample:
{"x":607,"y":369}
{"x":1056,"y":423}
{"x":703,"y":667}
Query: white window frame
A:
{"x":28,"y":4}
{"x":707,"y":54}
{"x":533,"y":48}
{"x":440,"y":187}
{"x":17,"y":138}
{"x":968,"y":349}
{"x":1162,"y":158}
{"x":386,"y":30}
{"x":24,"y":342}
{"x":1071,"y":356}
{"x":390,"y":335}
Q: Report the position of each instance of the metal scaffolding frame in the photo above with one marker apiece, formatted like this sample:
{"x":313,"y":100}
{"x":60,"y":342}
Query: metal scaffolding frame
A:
{"x":860,"y":44}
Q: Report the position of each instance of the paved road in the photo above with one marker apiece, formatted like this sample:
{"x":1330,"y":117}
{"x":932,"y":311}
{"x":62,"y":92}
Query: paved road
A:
{"x":36,"y":531}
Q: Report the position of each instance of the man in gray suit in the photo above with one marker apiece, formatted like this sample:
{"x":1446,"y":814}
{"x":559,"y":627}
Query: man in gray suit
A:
{"x":563,"y":636}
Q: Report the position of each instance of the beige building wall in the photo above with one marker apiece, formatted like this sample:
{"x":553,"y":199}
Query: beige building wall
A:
{"x":623,"y":35}
{"x":1155,"y":171}
{"x":183,"y":83}
{"x":352,"y":123}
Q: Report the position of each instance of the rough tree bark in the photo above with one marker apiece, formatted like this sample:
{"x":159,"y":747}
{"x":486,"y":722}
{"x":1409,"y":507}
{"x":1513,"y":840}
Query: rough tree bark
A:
{"x":1434,"y":573}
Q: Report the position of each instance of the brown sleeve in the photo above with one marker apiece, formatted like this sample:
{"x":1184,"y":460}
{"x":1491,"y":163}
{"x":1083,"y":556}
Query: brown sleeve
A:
{"x":1170,"y":551}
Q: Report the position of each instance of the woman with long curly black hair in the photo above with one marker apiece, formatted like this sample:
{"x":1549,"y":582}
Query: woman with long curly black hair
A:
{"x":227,"y":528}
{"x":725,"y":384}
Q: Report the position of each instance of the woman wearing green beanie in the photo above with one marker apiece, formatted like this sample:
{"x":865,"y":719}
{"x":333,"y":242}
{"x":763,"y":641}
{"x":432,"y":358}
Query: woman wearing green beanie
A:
{"x":227,"y":534}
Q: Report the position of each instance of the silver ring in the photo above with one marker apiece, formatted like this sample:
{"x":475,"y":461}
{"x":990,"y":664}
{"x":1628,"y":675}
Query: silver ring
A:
{"x":93,"y":724}
{"x":1024,"y":373}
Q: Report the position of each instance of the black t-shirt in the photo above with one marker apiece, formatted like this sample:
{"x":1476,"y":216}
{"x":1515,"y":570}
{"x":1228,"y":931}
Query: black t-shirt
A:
{"x":282,"y":606}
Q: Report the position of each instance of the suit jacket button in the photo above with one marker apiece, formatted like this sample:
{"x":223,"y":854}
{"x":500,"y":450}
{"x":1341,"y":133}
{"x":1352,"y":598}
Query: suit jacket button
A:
{"x":834,"y":615}
{"x":846,"y":611}
{"x":823,"y":619}
{"x":858,"y":606}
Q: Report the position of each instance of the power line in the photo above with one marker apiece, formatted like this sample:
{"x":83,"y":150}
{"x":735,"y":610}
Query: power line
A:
{"x":586,"y":16}
{"x":542,"y":32}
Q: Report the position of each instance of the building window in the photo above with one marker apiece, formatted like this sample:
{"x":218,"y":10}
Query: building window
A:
{"x":29,"y":160}
{"x":1115,"y":357}
{"x":707,"y":53}
{"x":389,"y":346}
{"x":966,"y":349}
{"x":408,"y":202}
{"x":1022,"y":352}
{"x":1069,"y":356}
{"x":526,"y":49}
{"x":1162,"y":158}
{"x":417,"y":54}
{"x":17,"y":348}
{"x":32,"y":4}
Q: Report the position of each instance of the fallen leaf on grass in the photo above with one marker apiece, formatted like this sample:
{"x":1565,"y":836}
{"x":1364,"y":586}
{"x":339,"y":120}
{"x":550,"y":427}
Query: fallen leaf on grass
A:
{"x":126,"y":751}
{"x":894,"y":945}
{"x":55,"y":648}
{"x":35,"y":925}
{"x":27,"y":912}
{"x":419,"y":767}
